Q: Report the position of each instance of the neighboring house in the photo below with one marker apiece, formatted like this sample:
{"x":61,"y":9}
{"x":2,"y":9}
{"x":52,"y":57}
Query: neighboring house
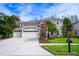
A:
{"x":73,"y":18}
{"x":58,"y":22}
{"x":75,"y":28}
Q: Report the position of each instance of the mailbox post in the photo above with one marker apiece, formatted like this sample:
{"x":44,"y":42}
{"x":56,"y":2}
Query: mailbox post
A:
{"x":69,"y":41}
{"x":69,"y":49}
{"x":69,"y":46}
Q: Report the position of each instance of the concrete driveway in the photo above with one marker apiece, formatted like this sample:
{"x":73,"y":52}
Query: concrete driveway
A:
{"x":18,"y":46}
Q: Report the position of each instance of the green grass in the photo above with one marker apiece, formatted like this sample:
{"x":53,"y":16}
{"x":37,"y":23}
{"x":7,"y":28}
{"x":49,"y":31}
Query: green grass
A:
{"x":63,"y":40}
{"x":62,"y":49}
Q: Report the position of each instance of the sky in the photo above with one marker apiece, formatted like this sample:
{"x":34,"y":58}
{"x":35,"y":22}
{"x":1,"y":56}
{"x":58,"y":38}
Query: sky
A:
{"x":31,"y":11}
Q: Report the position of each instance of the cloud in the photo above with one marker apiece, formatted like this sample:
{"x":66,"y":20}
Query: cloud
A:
{"x":25,"y":16}
{"x":5,"y":10}
{"x":71,"y":9}
{"x":62,"y":10}
{"x":24,"y":11}
{"x":28,"y":12}
{"x":59,"y":10}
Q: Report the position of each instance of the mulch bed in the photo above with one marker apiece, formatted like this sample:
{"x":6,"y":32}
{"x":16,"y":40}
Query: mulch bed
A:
{"x":43,"y":40}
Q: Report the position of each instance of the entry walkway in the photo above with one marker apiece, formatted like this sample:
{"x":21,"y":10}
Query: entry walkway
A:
{"x":58,"y":44}
{"x":18,"y":46}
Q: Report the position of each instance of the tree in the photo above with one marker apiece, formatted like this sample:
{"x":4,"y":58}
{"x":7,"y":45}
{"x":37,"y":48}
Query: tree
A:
{"x":66,"y":26}
{"x":51,"y":27}
{"x":5,"y":30}
{"x":2,"y":22}
{"x":8,"y":24}
{"x":13,"y":21}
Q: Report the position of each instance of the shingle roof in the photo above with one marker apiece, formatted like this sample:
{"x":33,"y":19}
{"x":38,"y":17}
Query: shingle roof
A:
{"x":29,"y":23}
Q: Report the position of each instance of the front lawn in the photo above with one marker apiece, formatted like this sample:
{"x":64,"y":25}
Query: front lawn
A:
{"x":62,"y":49}
{"x":63,"y":40}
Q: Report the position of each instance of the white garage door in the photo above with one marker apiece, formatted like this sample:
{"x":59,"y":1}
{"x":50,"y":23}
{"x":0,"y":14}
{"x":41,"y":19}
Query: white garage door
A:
{"x":17,"y":34}
{"x":27,"y":35}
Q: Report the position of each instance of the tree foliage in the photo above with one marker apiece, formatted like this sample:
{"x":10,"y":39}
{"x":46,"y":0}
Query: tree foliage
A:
{"x":51,"y":27}
{"x":7,"y":24}
{"x":66,"y":26}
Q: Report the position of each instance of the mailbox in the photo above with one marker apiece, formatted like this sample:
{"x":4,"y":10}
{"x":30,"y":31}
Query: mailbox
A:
{"x":68,"y":41}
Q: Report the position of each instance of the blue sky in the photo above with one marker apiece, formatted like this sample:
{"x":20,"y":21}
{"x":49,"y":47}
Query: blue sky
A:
{"x":30,"y":11}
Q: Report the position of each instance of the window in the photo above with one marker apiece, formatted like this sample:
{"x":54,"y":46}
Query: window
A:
{"x":75,"y":31}
{"x":18,"y":30}
{"x":57,"y":31}
{"x":57,"y":23}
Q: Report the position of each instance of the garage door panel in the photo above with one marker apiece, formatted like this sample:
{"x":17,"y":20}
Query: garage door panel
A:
{"x":30,"y":35}
{"x":17,"y":34}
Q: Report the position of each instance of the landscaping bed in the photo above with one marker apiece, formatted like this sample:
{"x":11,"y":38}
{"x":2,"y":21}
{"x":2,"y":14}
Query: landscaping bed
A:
{"x":43,"y":41}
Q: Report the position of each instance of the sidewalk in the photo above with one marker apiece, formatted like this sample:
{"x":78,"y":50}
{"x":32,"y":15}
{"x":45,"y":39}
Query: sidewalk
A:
{"x":58,"y":44}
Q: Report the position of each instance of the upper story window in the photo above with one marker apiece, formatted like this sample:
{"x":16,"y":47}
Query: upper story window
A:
{"x":57,"y":23}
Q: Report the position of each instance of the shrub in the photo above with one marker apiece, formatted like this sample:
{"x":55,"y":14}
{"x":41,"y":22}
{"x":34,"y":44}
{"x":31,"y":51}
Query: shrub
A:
{"x":42,"y":36}
{"x":1,"y":36}
{"x":69,"y":34}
